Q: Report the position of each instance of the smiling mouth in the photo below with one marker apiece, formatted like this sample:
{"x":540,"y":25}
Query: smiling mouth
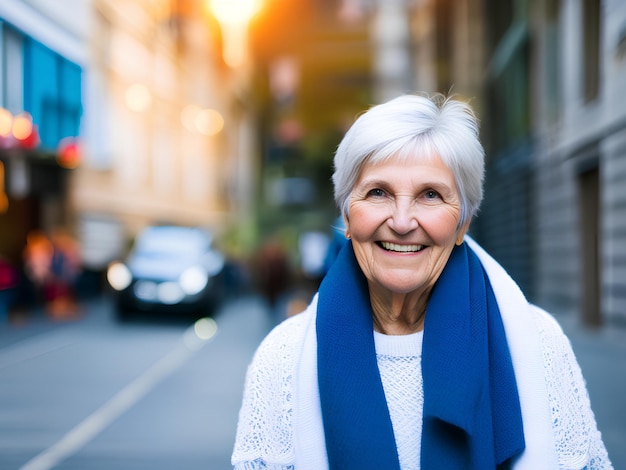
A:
{"x":401,"y":248}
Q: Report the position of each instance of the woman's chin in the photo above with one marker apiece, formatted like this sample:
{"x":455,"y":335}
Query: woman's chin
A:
{"x":404,"y":283}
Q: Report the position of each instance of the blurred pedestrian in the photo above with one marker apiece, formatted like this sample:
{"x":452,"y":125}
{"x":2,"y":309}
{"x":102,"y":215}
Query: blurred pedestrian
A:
{"x":419,"y":350}
{"x":37,"y":258}
{"x":65,"y":268}
{"x":273,"y":271}
{"x":9,"y":279}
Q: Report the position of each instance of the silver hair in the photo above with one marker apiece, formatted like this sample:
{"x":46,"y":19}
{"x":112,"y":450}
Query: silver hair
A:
{"x":414,"y":126}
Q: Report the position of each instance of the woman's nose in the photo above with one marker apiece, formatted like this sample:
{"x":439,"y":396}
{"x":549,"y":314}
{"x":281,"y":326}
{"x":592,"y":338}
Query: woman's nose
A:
{"x":404,"y":217}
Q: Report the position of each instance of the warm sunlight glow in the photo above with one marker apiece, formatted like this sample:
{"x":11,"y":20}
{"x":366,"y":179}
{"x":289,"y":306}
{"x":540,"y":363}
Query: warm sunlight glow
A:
{"x":234,"y":11}
{"x":233,"y":16}
{"x":235,"y":44}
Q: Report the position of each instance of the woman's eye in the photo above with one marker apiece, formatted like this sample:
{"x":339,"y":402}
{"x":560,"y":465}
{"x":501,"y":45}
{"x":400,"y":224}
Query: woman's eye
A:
{"x":376,"y":192}
{"x":431,"y":194}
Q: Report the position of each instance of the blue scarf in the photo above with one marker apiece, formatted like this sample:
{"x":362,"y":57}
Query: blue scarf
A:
{"x":472,"y":417}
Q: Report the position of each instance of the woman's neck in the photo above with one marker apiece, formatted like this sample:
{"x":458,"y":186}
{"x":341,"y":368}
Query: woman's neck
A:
{"x":398,"y":314}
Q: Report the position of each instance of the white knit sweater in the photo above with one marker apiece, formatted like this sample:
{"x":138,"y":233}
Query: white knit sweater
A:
{"x":272,"y":409}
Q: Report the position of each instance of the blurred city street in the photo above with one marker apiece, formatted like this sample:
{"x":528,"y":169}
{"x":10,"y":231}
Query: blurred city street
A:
{"x":221,"y":119}
{"x":93,"y":393}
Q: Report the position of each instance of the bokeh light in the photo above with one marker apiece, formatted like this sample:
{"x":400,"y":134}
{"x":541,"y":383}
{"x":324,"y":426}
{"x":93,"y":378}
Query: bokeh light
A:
{"x":138,"y":97}
{"x":22,"y":126}
{"x":205,"y":328}
{"x":234,"y":11}
{"x":6,"y":122}
{"x":209,"y":122}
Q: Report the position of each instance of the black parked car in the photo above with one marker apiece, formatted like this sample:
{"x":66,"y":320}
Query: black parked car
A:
{"x":170,"y":269}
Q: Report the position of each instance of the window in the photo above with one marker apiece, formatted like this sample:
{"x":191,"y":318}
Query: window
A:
{"x":52,"y":93}
{"x":552,"y":60}
{"x":591,"y":49}
{"x":11,"y":70}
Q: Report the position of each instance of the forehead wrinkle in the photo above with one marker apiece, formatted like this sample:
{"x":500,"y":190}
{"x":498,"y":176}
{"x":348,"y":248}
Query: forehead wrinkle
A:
{"x":439,"y":179}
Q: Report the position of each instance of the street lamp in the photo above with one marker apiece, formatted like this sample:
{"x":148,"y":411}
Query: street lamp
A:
{"x":233,"y":17}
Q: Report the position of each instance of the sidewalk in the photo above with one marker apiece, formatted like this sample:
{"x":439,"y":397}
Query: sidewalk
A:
{"x":601,"y":354}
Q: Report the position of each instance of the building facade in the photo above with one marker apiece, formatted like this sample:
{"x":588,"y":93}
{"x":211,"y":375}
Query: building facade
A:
{"x":168,"y":139}
{"x":554,"y":129}
{"x":579,"y":157}
{"x":42,"y":62}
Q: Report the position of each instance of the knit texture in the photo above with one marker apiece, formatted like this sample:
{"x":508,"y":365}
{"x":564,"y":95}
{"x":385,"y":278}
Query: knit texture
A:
{"x":265,"y":439}
{"x":399,"y":362}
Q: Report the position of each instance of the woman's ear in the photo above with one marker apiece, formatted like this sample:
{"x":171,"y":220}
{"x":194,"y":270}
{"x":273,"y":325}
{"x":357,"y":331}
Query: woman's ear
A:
{"x":346,"y":223}
{"x":462,"y":231}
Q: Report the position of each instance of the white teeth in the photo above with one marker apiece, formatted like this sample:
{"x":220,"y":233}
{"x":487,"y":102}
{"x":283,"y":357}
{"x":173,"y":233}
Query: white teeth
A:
{"x":401,"y":248}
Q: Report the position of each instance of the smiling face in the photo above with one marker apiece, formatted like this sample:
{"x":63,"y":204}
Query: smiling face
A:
{"x":404,"y":222}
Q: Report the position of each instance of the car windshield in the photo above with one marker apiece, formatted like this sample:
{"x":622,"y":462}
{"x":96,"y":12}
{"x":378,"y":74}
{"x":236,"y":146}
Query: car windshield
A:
{"x":171,"y":241}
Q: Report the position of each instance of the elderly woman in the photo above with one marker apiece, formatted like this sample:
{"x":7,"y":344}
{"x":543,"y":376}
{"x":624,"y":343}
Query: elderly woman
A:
{"x":418,"y":351}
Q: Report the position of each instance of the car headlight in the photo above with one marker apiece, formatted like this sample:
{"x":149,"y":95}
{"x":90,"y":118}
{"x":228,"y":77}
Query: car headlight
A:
{"x":193,"y":280}
{"x":119,"y":276}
